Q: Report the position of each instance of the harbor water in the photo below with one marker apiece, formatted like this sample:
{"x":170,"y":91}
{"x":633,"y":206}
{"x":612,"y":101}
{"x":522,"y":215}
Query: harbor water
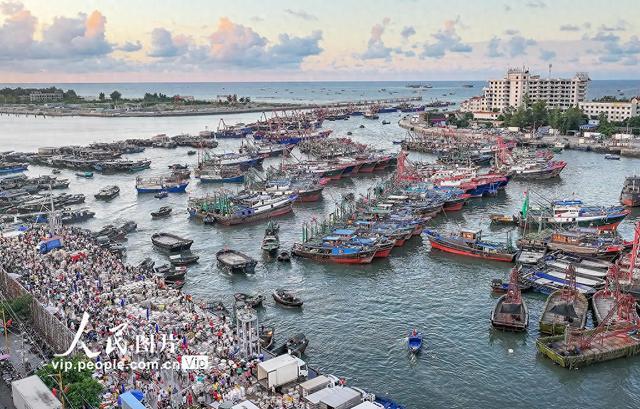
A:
{"x":357,"y":317}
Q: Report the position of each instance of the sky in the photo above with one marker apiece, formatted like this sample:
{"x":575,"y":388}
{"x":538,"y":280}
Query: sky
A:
{"x":314,"y":40}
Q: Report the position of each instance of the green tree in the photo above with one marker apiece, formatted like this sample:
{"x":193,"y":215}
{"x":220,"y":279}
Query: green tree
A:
{"x":79,"y":386}
{"x":539,"y":113}
{"x":115,"y":96}
{"x":101,"y":96}
{"x":604,"y":126}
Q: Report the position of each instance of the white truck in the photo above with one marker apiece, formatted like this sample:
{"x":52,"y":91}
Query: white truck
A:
{"x":281,"y":370}
{"x":32,"y":393}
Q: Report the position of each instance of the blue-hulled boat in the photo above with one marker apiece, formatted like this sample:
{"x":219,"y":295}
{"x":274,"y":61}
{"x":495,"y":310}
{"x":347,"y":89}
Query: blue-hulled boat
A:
{"x":13,"y":168}
{"x":387,"y":403}
{"x":156,"y":185}
{"x":414,"y":341}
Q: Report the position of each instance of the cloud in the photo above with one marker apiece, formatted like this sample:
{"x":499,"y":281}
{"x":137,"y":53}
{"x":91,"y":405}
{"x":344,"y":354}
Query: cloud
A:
{"x":376,"y":48}
{"x":511,"y":32}
{"x":605,"y":37}
{"x":569,"y":27}
{"x":130,"y":47}
{"x":257,"y":19}
{"x":621,"y":25}
{"x":493,"y":48}
{"x":407,"y":32}
{"x":234,"y":45}
{"x":517,"y":45}
{"x":507,"y":7}
{"x":164,"y":44}
{"x":547,"y":55}
{"x":536,"y":4}
{"x":301,"y":14}
{"x":10,"y":7}
{"x":446,"y":39}
{"x":615,"y":51}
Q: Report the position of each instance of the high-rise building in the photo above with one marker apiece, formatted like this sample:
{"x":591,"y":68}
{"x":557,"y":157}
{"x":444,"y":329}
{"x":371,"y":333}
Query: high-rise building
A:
{"x":510,"y":91}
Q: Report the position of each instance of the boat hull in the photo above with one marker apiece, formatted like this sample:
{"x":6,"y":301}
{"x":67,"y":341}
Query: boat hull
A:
{"x":230,"y":221}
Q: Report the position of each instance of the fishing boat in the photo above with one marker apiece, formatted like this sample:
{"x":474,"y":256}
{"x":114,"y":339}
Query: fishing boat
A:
{"x":414,"y":341}
{"x":266,"y":336}
{"x":630,"y":195}
{"x":191,"y":152}
{"x":296,"y":345}
{"x":503,"y":219}
{"x":221,"y":174}
{"x":500,"y":287}
{"x":161,"y":195}
{"x":469,"y":243}
{"x":253,"y":301}
{"x":234,"y":261}
{"x":249,"y":208}
{"x":6,"y":168}
{"x":286,"y":298}
{"x":184,"y":258}
{"x":510,"y":312}
{"x":573,"y":212}
{"x":605,"y":300}
{"x":164,"y":211}
{"x":284,"y":256}
{"x":76,"y":216}
{"x":170,"y":274}
{"x":537,"y":170}
{"x":340,"y":253}
{"x":86,"y":175}
{"x":611,"y":156}
{"x":585,"y":242}
{"x":563,"y":307}
{"x":107,"y":193}
{"x":162,"y":184}
{"x":171,"y":242}
{"x":56,"y":171}
{"x":271,"y":241}
{"x":385,"y":122}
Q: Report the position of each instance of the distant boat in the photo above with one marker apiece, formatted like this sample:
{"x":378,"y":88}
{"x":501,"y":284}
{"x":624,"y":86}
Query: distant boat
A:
{"x":171,"y":242}
{"x":161,"y":195}
{"x":184,"y":258}
{"x":164,"y":211}
{"x":510,"y":312}
{"x":86,"y":175}
{"x":414,"y":341}
{"x":470,"y":243}
{"x":235,"y":262}
{"x":611,"y":156}
{"x":107,"y":193}
{"x":287,"y":298}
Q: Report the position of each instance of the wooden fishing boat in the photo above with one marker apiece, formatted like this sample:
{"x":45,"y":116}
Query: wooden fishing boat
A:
{"x":170,"y":273}
{"x":564,"y":307}
{"x":164,"y":211}
{"x":171,"y":242}
{"x":286,"y":298}
{"x":76,"y":216}
{"x":235,"y":262}
{"x":184,"y":258}
{"x":266,"y":336}
{"x":503,"y":219}
{"x":253,"y":301}
{"x":271,"y":240}
{"x":630,"y":195}
{"x":296,"y":345}
{"x":500,"y":287}
{"x":585,"y":243}
{"x":510,"y":312}
{"x":107,"y":193}
{"x":342,"y":254}
{"x":469,"y":243}
{"x":414,"y":341}
{"x":574,"y":213}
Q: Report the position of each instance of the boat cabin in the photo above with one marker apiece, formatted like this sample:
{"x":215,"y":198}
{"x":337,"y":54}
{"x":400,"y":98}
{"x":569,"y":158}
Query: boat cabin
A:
{"x":573,"y":237}
{"x":471,"y":235}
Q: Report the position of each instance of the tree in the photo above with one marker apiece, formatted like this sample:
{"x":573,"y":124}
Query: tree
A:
{"x":539,"y":113}
{"x":70,"y":95}
{"x":101,"y":96}
{"x":115,"y":96}
{"x":79,"y":386}
{"x":604,"y":126}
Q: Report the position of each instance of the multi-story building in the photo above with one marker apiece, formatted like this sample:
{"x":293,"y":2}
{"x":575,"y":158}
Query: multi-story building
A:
{"x":511,"y":90}
{"x":615,"y":111}
{"x":39,"y":96}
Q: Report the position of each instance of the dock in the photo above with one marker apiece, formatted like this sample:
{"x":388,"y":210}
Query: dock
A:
{"x":617,"y":342}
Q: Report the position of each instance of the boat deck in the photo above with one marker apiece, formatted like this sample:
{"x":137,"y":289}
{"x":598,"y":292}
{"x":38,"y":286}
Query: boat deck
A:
{"x":168,"y":241}
{"x":606,"y":346}
{"x":234,"y":259}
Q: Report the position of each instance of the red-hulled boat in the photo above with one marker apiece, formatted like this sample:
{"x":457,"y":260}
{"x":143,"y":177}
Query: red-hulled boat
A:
{"x":469,"y":243}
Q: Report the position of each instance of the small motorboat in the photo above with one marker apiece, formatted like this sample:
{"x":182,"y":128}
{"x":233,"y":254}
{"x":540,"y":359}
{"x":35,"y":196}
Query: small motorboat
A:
{"x":164,"y":211}
{"x":414,"y":342}
{"x":191,"y":153}
{"x":271,"y":240}
{"x":611,"y":156}
{"x":161,"y":195}
{"x":183,"y":259}
{"x":56,"y":171}
{"x":235,"y":262}
{"x":170,"y":242}
{"x":287,"y":298}
{"x":253,"y":301}
{"x":284,"y":256}
{"x":129,"y":226}
{"x":296,"y":345}
{"x":178,"y":166}
{"x":266,"y":336}
{"x":84,"y":174}
{"x":510,"y":312}
{"x":107,"y":193}
{"x":385,"y":122}
{"x":349,"y":133}
{"x":397,"y":142}
{"x":170,"y":273}
{"x":361,"y":126}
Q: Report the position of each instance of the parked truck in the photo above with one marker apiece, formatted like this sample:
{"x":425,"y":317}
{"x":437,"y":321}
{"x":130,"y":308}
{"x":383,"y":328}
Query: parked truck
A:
{"x":32,"y":393}
{"x":281,"y":370}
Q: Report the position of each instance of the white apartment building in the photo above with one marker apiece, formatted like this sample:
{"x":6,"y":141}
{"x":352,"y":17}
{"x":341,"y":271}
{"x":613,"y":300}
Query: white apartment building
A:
{"x":615,"y":111}
{"x":39,"y":96}
{"x":510,"y":91}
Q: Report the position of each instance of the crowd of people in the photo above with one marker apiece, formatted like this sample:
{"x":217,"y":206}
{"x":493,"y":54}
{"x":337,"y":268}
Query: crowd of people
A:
{"x":134,"y":317}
